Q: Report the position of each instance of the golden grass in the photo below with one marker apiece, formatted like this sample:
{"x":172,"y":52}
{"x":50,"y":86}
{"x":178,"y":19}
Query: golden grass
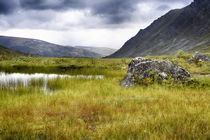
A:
{"x":101,"y":109}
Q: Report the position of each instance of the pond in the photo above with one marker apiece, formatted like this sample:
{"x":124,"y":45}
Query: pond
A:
{"x":8,"y":80}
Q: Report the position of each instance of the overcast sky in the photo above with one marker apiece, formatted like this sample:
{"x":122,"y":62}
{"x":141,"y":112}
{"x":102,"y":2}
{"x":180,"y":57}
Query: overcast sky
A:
{"x":100,"y":23}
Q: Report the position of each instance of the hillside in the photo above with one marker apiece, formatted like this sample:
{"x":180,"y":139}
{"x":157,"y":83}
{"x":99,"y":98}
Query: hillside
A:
{"x":42,"y":48}
{"x":8,"y":52}
{"x":186,"y":29}
{"x":103,"y":51}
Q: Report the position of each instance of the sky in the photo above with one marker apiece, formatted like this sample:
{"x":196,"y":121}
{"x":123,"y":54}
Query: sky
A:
{"x":98,"y":23}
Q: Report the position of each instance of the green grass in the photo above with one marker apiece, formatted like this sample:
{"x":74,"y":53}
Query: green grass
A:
{"x":101,"y":109}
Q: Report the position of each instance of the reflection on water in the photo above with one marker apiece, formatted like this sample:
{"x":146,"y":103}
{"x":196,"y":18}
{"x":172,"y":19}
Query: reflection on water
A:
{"x":17,"y":79}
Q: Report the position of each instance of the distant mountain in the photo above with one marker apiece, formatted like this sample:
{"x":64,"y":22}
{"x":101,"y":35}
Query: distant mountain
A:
{"x":8,"y":52}
{"x":186,"y":29}
{"x":42,"y":48}
{"x":103,"y":51}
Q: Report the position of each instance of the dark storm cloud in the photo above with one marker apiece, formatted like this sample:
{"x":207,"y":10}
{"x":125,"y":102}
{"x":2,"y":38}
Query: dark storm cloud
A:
{"x":34,"y":4}
{"x":111,"y":11}
{"x":7,"y":6}
{"x":52,"y":4}
{"x":115,"y":11}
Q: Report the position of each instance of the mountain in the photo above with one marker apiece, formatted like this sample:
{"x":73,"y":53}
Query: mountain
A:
{"x":8,"y":52}
{"x":186,"y":29}
{"x":103,"y":51}
{"x":42,"y":48}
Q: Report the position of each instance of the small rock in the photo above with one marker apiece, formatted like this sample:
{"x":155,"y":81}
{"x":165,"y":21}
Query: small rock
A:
{"x":199,"y":57}
{"x":141,"y":68}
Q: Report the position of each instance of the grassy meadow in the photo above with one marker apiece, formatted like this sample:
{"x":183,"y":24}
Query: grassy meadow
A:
{"x":100,"y":108}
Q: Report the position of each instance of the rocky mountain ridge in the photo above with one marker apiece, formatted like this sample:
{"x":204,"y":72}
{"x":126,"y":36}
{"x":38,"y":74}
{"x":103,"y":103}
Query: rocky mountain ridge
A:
{"x":186,"y":29}
{"x":43,"y":48}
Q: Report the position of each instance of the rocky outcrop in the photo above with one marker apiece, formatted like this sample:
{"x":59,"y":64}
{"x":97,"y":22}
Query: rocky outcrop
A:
{"x":141,"y":68}
{"x":199,"y":57}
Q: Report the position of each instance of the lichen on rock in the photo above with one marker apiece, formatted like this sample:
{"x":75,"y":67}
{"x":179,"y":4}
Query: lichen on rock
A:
{"x":141,"y":69}
{"x":198,"y":57}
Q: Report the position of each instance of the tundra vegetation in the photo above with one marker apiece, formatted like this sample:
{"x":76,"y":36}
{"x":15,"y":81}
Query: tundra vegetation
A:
{"x":101,"y":108}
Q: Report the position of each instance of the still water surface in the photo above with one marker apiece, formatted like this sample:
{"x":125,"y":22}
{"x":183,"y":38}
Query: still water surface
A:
{"x":17,"y":79}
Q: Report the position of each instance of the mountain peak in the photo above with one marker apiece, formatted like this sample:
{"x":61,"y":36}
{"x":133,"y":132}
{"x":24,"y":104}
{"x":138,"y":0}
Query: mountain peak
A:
{"x":184,"y":29}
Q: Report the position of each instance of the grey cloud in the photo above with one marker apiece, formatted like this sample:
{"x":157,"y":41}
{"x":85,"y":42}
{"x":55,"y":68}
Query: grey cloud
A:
{"x":7,"y":6}
{"x":53,"y":4}
{"x":111,"y":12}
{"x":163,"y":7}
{"x":116,"y":11}
{"x":33,"y":4}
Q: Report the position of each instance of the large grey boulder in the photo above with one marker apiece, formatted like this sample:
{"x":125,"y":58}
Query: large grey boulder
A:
{"x":199,"y":57}
{"x":141,"y":68}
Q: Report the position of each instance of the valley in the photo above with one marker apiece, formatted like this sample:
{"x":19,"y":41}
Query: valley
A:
{"x":155,"y":87}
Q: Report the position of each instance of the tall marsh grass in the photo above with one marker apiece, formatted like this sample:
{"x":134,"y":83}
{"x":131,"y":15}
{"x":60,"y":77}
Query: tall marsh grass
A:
{"x":101,"y":109}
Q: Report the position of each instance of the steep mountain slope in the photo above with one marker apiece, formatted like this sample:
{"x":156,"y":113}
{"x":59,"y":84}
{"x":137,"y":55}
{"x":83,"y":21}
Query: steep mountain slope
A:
{"x":8,"y":52}
{"x":42,"y":48}
{"x":103,"y":51}
{"x":186,"y":29}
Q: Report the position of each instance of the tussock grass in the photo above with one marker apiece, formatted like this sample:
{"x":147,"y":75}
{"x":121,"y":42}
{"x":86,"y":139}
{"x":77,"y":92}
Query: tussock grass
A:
{"x":101,"y":109}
